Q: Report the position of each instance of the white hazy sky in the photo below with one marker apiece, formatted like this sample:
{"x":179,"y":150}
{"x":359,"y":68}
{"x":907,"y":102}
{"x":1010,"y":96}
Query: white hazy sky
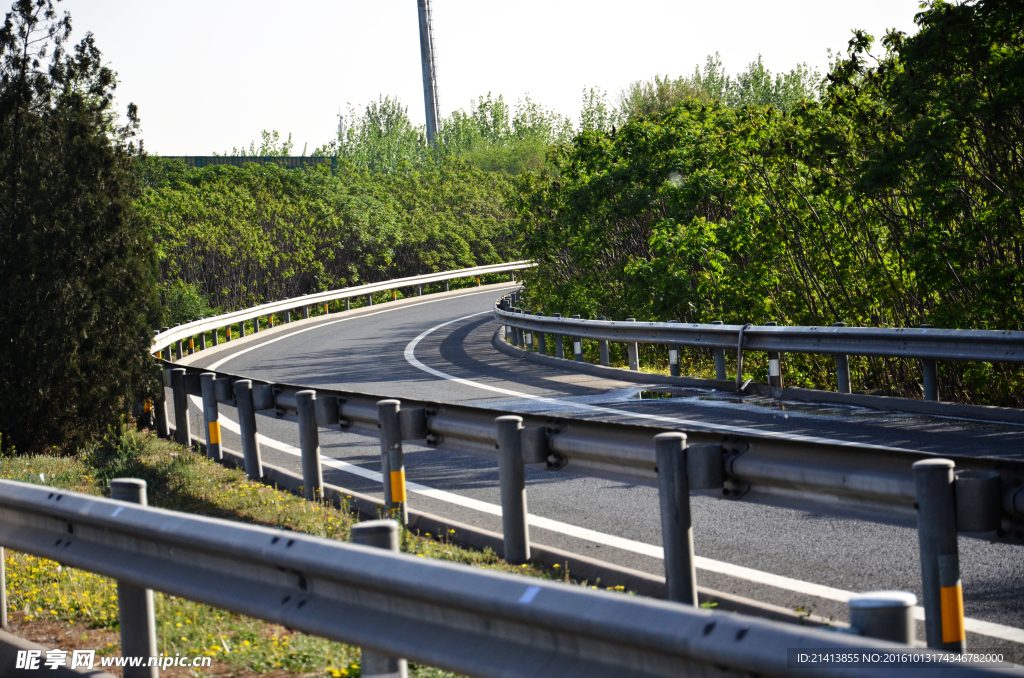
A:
{"x":211,"y":74}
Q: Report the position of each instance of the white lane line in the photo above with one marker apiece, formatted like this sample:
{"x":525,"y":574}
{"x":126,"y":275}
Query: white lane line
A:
{"x":978,"y":626}
{"x":335,"y":322}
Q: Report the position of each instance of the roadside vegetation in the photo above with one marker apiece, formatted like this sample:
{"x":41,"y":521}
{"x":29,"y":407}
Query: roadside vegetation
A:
{"x":891,"y":199}
{"x":46,"y":600}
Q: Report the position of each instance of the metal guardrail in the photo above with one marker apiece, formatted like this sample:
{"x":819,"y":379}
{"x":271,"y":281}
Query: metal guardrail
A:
{"x":853,"y":480}
{"x":985,"y":498}
{"x":441,"y":614}
{"x":925,"y":344}
{"x":197,"y":327}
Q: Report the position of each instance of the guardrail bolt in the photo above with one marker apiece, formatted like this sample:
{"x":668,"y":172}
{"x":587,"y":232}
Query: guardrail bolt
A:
{"x":182,"y":431}
{"x":577,"y":345}
{"x":211,"y":416}
{"x":886,"y":615}
{"x":512,"y":478}
{"x":720,"y":372}
{"x":602,"y":347}
{"x":633,"y":351}
{"x":391,"y":458}
{"x":135,"y":604}
{"x":382,"y":534}
{"x":247,"y":428}
{"x":309,"y":444}
{"x":676,"y":525}
{"x":940,"y":557}
{"x":774,"y":363}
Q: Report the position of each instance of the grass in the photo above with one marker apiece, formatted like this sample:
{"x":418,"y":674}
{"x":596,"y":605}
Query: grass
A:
{"x":46,"y":600}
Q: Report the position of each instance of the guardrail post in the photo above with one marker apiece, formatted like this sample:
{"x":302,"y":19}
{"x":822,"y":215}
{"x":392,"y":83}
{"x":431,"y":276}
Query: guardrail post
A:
{"x":673,"y":356}
{"x":369,"y":300}
{"x":382,"y":534}
{"x":241,"y":328}
{"x":309,"y":443}
{"x":288,"y":316}
{"x":931,"y":379}
{"x":202,"y":338}
{"x":528,"y":334}
{"x":255,"y":325}
{"x":559,"y":341}
{"x":676,"y":525}
{"x":211,"y":415}
{"x":931,"y":374}
{"x":602,"y":347}
{"x":391,"y":459}
{"x":517,"y":334}
{"x":445,"y":285}
{"x":577,"y":345}
{"x":512,"y":478}
{"x":215,"y":336}
{"x":886,"y":615}
{"x":160,"y":406}
{"x":247,"y":428}
{"x":842,"y":368}
{"x":305,"y":312}
{"x":940,"y":557}
{"x":774,"y":363}
{"x":542,"y":339}
{"x":512,"y":276}
{"x":348,"y":304}
{"x":720,"y":372}
{"x":182,"y":432}
{"x":419,"y":290}
{"x":633,"y":351}
{"x":135,"y":604}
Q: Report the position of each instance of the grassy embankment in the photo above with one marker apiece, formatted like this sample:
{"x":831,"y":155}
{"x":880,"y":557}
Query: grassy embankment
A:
{"x":72,"y":609}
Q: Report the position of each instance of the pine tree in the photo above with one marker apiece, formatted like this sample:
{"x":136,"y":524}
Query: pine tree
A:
{"x":77,"y":267}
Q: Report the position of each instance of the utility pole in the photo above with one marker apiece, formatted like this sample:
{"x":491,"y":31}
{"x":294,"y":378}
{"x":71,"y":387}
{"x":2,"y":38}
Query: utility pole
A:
{"x":429,"y":69}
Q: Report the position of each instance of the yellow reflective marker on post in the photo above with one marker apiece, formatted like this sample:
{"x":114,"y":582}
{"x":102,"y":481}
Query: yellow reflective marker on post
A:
{"x":191,"y":345}
{"x":228,"y":331}
{"x":271,"y":321}
{"x":215,"y":433}
{"x":952,"y":614}
{"x":325,"y":309}
{"x":398,"y":486}
{"x":147,"y":405}
{"x":478,"y":281}
{"x":394,"y":295}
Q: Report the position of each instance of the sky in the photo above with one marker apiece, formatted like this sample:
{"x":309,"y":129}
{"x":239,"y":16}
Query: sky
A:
{"x":210,"y":75}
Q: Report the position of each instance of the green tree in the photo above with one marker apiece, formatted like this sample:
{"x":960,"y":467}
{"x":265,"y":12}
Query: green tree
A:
{"x":76,"y":265}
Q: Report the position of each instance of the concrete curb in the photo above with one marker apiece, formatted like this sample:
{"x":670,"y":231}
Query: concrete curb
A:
{"x":885,"y":403}
{"x":10,"y":644}
{"x":580,"y":567}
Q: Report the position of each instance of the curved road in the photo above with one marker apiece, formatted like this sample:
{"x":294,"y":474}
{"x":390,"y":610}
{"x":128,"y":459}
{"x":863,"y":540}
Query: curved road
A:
{"x":439,"y":348}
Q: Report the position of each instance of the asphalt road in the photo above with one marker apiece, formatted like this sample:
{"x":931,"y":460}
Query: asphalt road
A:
{"x":788,"y":558}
